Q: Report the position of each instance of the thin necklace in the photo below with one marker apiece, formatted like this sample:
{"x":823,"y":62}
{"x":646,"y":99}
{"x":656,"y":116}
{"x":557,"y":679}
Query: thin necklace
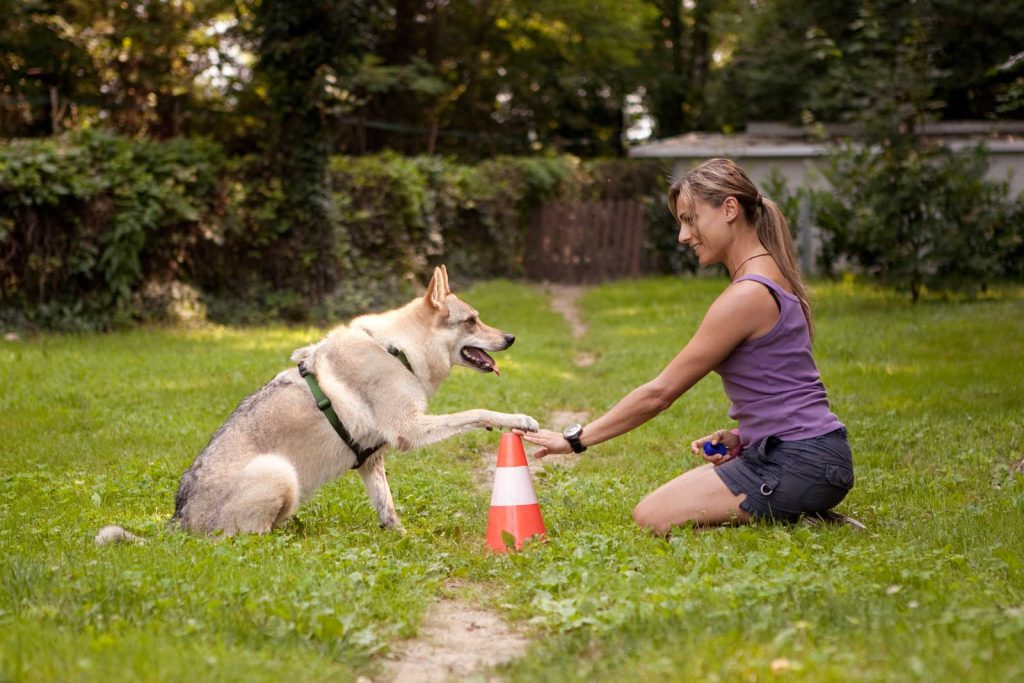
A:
{"x":747,"y":259}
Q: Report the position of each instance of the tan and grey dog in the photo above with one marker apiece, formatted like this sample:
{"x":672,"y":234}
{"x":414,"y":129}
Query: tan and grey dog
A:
{"x":277,"y":448}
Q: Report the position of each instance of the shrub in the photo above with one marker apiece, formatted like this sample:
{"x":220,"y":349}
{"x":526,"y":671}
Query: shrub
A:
{"x":87,"y":219}
{"x":97,"y":230}
{"x":923,"y":218}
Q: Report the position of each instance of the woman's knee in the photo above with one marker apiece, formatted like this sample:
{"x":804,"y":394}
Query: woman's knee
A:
{"x":647,"y":516}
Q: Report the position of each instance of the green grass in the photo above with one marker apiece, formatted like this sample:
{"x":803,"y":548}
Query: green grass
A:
{"x":97,"y":429}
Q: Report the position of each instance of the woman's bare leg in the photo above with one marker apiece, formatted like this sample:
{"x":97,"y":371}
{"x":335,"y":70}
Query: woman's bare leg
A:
{"x":697,"y":496}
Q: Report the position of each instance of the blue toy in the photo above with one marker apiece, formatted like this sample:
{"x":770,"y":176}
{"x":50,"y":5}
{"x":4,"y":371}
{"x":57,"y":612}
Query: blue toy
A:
{"x":719,"y":449}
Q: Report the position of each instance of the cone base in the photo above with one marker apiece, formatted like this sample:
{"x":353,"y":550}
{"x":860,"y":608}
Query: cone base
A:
{"x":519,"y":521}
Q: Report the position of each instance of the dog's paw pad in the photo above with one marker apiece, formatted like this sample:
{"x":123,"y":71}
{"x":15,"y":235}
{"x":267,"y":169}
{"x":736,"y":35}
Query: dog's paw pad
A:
{"x":527,"y":423}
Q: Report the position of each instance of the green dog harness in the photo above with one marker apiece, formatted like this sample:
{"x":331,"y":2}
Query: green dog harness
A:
{"x":324,"y":404}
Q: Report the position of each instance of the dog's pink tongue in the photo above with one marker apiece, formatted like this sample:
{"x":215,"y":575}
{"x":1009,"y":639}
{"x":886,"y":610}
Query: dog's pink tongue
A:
{"x":483,"y":359}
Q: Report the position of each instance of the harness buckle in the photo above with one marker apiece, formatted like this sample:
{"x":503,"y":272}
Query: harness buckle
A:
{"x":324,"y":403}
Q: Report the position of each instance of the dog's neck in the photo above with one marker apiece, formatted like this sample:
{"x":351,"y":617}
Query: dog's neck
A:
{"x":430,"y":366}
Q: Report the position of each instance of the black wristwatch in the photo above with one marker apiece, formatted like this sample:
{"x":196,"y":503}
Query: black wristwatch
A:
{"x":572,"y":434}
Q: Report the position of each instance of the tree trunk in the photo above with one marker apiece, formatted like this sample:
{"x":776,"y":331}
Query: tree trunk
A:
{"x":54,"y":110}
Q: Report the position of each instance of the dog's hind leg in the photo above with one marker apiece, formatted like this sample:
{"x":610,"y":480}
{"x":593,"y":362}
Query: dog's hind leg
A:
{"x":263,"y":496}
{"x":376,"y":482}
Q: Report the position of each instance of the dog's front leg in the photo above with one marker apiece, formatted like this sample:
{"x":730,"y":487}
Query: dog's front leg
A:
{"x":428,"y":429}
{"x":376,"y":482}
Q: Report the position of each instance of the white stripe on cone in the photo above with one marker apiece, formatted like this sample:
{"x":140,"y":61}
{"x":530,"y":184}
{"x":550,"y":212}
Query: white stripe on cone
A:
{"x":513,"y":486}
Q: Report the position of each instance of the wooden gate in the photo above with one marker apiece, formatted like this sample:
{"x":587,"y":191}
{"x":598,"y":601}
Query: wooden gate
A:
{"x":586,"y":242}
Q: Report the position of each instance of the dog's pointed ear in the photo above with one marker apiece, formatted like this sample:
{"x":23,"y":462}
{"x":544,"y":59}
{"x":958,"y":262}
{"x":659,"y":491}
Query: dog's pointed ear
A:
{"x":437,"y":290}
{"x":444,"y":273}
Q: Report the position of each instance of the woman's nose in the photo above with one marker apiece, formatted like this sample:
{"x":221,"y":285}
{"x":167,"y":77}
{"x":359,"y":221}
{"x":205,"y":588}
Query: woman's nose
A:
{"x":684,"y":233}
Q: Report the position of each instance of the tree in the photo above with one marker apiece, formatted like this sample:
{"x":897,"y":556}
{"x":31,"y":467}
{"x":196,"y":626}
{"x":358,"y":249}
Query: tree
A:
{"x":306,"y":52}
{"x":905,"y":209}
{"x":785,"y":63}
{"x":680,"y":64}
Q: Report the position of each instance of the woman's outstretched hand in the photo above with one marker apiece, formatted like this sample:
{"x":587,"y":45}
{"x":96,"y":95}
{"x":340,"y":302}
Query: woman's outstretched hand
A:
{"x":726,"y":437}
{"x":550,"y":442}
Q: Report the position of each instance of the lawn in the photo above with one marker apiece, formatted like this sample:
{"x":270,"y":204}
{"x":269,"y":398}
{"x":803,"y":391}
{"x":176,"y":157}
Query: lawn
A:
{"x":97,"y":429}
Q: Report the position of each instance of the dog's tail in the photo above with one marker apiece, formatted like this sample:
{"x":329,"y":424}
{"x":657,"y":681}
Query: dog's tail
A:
{"x":115,"y":534}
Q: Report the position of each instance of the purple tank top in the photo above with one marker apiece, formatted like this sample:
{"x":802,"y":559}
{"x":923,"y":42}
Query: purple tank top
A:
{"x":772,"y":381}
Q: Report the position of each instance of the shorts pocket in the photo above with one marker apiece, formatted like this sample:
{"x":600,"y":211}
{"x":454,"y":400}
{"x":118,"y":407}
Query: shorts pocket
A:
{"x":825,"y":495}
{"x":839,"y":476}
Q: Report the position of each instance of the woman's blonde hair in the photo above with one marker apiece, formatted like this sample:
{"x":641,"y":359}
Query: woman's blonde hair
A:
{"x":714,"y":181}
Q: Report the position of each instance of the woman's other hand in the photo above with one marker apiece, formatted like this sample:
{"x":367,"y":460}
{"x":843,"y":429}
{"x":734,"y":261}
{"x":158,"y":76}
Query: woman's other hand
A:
{"x":550,"y":442}
{"x":727,"y":437}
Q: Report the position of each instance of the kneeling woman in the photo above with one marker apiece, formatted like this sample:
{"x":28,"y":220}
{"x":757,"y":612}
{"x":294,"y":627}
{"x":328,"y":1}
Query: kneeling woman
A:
{"x":790,"y":455}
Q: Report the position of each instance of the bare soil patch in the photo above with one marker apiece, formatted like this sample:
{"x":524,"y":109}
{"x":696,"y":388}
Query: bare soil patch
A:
{"x":564,"y":300}
{"x":456,"y":640}
{"x":584,"y":360}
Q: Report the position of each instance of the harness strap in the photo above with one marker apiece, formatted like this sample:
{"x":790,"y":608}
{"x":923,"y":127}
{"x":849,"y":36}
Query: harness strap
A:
{"x":324,"y":404}
{"x":400,"y":355}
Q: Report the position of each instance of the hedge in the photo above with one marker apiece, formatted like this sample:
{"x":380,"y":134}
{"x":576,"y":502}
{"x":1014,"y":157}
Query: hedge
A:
{"x":97,"y":230}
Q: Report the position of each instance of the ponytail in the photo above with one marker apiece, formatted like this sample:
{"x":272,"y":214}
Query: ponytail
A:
{"x":773,"y":232}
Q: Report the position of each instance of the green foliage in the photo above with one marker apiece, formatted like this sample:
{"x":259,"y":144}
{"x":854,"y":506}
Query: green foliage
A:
{"x":911,"y":212}
{"x":305,"y":50}
{"x":925,"y":218}
{"x":140,"y":67}
{"x":87,"y":220}
{"x":826,"y":61}
{"x":97,"y":230}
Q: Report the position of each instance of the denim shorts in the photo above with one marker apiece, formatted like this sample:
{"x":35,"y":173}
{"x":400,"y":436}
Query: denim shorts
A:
{"x":785,"y":479}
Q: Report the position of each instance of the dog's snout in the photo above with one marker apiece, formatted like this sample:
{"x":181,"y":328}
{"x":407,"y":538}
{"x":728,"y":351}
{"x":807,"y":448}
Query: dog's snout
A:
{"x":509,"y":340}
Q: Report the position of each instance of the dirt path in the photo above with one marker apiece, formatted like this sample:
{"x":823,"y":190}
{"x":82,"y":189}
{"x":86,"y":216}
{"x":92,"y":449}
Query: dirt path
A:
{"x":456,"y":640}
{"x":564,"y":301}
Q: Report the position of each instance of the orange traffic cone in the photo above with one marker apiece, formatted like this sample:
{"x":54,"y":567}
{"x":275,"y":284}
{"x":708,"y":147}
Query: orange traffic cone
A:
{"x":515,"y":513}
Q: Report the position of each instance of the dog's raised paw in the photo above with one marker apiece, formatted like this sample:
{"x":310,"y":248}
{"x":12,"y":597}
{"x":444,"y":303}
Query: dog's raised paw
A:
{"x":524,"y":422}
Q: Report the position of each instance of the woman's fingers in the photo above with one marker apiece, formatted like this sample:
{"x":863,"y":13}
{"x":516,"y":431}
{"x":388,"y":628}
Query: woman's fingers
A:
{"x":549,"y":442}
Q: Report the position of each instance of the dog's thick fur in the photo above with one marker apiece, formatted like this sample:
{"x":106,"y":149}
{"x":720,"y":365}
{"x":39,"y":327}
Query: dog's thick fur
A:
{"x":277,"y":448}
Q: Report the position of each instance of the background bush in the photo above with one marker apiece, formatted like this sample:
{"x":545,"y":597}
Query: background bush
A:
{"x":920,"y":218}
{"x":98,"y":230}
{"x":88,"y":219}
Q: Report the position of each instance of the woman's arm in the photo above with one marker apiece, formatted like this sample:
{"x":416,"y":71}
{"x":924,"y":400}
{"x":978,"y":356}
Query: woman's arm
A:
{"x":732,"y":318}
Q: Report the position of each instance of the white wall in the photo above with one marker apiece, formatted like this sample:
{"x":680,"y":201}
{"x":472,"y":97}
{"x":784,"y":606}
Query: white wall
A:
{"x":805,"y":171}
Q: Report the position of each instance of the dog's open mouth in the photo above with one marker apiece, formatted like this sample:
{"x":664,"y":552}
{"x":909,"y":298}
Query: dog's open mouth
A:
{"x":479,"y":359}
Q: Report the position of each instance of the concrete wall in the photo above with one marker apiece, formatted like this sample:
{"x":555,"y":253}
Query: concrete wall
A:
{"x":805,"y":171}
{"x":1008,"y":166}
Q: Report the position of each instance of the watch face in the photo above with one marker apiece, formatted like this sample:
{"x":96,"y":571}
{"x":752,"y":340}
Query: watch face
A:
{"x":571,"y":431}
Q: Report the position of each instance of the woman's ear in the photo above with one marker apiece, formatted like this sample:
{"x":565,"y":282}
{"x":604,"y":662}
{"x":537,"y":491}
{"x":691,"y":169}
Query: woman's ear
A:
{"x":731,"y":207}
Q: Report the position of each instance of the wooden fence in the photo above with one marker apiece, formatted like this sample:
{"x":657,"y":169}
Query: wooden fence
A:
{"x":586,"y":242}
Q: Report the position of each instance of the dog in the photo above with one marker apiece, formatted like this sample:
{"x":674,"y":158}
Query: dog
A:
{"x":378,"y":372}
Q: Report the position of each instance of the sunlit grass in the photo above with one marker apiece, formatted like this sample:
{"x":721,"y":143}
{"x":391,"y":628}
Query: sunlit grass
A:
{"x":97,"y":429}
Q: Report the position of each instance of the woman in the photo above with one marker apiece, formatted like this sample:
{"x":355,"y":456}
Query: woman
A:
{"x":790,"y":455}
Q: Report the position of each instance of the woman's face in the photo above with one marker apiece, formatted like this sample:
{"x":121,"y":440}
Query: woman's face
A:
{"x":704,"y":228}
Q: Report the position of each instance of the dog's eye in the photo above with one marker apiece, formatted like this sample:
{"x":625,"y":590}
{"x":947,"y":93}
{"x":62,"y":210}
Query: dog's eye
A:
{"x":469,"y":322}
